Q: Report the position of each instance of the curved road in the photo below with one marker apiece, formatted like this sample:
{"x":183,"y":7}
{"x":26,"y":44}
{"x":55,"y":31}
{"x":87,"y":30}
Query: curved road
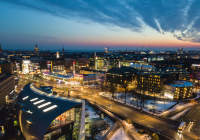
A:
{"x":165,"y":127}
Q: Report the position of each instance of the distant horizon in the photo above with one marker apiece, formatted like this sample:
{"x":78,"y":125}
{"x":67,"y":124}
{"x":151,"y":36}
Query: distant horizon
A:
{"x":102,"y":49}
{"x":53,"y":24}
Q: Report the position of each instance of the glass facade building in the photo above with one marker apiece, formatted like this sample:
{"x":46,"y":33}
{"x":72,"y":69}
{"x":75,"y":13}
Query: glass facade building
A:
{"x":50,"y":117}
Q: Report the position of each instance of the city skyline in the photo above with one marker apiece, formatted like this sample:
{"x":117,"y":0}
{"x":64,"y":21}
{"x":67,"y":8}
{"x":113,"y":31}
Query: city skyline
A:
{"x":88,"y":25}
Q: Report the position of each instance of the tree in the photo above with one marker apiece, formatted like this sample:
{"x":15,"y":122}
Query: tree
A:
{"x":101,"y":86}
{"x":136,"y":95}
{"x":125,"y":88}
{"x":112,"y":88}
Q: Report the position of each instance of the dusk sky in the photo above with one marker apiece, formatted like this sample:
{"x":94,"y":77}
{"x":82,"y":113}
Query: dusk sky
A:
{"x":94,"y":24}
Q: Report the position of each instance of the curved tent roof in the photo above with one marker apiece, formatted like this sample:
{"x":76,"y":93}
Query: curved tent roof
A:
{"x":34,"y":120}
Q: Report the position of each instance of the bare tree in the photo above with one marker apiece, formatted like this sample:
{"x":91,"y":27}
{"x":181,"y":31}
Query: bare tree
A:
{"x":125,"y":88}
{"x":112,"y":88}
{"x":136,"y":95}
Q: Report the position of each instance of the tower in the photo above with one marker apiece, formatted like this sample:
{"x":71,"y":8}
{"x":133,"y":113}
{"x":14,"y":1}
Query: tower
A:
{"x":57,"y":54}
{"x":95,"y":60}
{"x":0,"y":48}
{"x":63,"y":49}
{"x":74,"y":68}
{"x":36,"y":50}
{"x":106,"y":49}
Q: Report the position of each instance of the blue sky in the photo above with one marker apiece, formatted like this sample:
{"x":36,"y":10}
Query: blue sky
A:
{"x":86,"y":24}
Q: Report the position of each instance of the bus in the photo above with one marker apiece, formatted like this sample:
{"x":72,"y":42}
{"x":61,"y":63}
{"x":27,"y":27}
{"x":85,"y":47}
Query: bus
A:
{"x":181,"y":127}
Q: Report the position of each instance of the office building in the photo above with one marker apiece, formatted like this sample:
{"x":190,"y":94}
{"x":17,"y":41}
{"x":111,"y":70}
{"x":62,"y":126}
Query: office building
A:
{"x":7,"y":82}
{"x":120,"y":75}
{"x":43,"y":116}
{"x":6,"y":67}
{"x":7,"y":85}
{"x":179,"y":90}
{"x":153,"y":83}
{"x":168,"y":64}
{"x":142,"y":67}
{"x":195,"y":73}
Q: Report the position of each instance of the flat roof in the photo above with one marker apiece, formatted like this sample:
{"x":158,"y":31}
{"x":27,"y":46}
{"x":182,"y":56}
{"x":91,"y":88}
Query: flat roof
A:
{"x":181,"y":84}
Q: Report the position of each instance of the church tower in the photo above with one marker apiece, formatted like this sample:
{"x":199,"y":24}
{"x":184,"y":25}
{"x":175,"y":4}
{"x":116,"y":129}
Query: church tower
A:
{"x":36,"y":50}
{"x":0,"y":48}
{"x":63,"y":49}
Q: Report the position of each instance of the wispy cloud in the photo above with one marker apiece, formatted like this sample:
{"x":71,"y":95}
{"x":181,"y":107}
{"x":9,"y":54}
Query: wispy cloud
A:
{"x":180,"y":17}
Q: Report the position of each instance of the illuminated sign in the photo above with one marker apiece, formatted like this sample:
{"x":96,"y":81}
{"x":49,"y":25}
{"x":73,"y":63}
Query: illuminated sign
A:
{"x":26,"y":61}
{"x":78,"y":75}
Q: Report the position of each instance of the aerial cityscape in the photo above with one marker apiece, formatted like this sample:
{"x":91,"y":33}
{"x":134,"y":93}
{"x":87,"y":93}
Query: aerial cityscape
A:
{"x":99,"y":70}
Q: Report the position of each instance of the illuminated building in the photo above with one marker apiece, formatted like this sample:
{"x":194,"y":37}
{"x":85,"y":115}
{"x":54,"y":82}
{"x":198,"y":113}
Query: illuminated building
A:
{"x":180,"y":50}
{"x":179,"y":90}
{"x":90,"y":71}
{"x":7,"y":82}
{"x":142,"y":67}
{"x":195,"y":73}
{"x":181,"y":73}
{"x":57,"y":54}
{"x":86,"y":77}
{"x":35,"y":65}
{"x":6,"y":67}
{"x":25,"y":66}
{"x":153,"y":83}
{"x":122,"y":74}
{"x":45,"y":116}
{"x":79,"y":62}
{"x":36,"y":50}
{"x":7,"y":85}
{"x":167,"y":64}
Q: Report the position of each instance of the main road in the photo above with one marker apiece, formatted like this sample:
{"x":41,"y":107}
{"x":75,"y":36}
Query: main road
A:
{"x":165,"y":127}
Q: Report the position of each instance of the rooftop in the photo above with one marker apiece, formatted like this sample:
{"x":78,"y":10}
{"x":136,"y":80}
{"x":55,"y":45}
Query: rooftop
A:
{"x":39,"y":109}
{"x":122,"y":70}
{"x":181,"y":84}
